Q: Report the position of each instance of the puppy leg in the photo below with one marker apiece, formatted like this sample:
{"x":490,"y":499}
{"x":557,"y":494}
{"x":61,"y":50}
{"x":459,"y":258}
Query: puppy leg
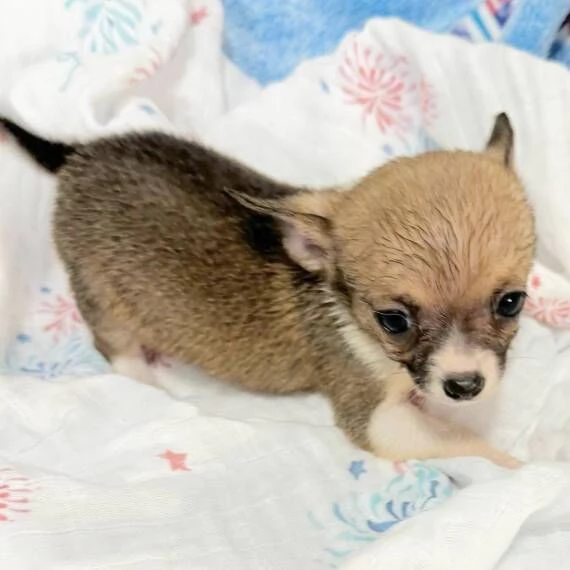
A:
{"x":117,"y":345}
{"x":122,"y":350}
{"x":399,"y":430}
{"x":133,"y":366}
{"x":380,"y":417}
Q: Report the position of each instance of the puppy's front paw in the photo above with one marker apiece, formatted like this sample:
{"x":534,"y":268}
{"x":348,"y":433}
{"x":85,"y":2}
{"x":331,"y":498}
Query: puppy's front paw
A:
{"x":505,"y":460}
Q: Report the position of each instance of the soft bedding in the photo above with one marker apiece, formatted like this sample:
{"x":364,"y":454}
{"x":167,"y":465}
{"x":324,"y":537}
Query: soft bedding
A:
{"x":98,"y":471}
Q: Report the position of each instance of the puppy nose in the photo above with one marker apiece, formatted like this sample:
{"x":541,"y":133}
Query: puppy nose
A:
{"x":463,"y":386}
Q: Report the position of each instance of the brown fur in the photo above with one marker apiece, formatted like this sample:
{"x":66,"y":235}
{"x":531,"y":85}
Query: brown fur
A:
{"x":463,"y":233}
{"x":172,"y":246}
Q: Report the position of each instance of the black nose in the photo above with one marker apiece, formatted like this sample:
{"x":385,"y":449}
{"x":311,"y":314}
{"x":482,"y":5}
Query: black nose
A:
{"x":463,"y":386}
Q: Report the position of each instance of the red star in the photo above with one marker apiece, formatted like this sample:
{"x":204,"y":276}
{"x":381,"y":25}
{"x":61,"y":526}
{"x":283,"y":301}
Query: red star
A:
{"x":198,"y":15}
{"x":177,"y":461}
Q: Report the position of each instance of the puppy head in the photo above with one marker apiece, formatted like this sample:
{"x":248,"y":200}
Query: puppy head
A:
{"x":426,"y":259}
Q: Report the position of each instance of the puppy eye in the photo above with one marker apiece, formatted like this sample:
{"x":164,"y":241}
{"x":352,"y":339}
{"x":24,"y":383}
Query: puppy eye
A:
{"x":510,"y":304}
{"x":393,"y":322}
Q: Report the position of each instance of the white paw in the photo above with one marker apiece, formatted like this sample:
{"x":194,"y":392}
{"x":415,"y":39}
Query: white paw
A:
{"x":505,"y":460}
{"x":135,"y":368}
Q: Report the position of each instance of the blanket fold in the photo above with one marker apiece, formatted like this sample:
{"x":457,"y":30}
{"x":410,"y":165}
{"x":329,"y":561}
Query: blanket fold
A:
{"x":99,"y":471}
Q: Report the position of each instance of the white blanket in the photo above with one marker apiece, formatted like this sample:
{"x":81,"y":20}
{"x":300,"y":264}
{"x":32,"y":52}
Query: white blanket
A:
{"x":97,"y":471}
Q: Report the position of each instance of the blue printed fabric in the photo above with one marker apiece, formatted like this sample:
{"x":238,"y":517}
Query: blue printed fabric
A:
{"x":268,"y":39}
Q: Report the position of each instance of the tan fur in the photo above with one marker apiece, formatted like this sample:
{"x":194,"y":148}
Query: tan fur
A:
{"x":171,"y":246}
{"x":446,"y":232}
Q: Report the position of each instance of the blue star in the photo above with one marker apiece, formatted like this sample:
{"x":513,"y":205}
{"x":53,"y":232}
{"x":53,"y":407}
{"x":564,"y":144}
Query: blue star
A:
{"x":356,"y":469}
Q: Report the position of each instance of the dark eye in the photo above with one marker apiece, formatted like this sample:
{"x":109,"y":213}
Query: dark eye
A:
{"x":510,"y":304}
{"x":393,"y":322}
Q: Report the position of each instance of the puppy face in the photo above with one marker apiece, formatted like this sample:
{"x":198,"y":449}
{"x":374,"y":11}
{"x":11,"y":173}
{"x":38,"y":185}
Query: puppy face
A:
{"x":427,"y":260}
{"x":443,"y":284}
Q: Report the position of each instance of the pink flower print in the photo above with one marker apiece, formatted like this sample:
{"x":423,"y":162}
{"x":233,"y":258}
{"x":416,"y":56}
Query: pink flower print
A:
{"x":400,"y":467}
{"x":535,"y":282}
{"x":552,"y":312}
{"x":15,"y":492}
{"x":428,"y":102}
{"x":63,"y":316}
{"x":147,"y":70}
{"x":195,"y":17}
{"x":378,"y":83}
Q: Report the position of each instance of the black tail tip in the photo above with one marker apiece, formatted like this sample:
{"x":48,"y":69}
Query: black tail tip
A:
{"x":50,"y":155}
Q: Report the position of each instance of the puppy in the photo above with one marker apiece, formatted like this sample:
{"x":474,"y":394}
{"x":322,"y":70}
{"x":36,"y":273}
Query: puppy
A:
{"x":406,"y":288}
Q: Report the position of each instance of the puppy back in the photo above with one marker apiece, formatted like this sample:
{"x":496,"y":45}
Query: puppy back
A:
{"x":148,"y":224}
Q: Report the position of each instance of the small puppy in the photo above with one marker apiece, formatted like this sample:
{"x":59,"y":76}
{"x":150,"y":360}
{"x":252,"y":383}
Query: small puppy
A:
{"x":404,"y":289}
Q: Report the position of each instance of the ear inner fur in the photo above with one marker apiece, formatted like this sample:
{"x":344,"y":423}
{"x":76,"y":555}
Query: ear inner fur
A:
{"x":305,"y":233}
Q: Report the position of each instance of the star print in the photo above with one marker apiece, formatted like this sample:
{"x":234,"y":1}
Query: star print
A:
{"x":357,"y":469}
{"x":177,"y":461}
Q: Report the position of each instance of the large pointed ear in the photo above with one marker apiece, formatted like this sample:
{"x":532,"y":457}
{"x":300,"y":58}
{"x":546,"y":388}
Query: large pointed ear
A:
{"x":501,"y":141}
{"x":304,"y":221}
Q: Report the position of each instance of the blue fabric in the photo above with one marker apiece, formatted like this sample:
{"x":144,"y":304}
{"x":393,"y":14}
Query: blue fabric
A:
{"x":267,"y":39}
{"x":534,"y":25}
{"x":560,"y":52}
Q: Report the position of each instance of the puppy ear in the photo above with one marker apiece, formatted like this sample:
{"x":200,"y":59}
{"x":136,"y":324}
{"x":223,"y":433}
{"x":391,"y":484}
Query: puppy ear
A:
{"x":304,"y":223}
{"x":501,"y":141}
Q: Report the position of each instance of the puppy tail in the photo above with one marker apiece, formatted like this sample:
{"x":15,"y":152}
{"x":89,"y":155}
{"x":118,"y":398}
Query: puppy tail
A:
{"x":50,"y":155}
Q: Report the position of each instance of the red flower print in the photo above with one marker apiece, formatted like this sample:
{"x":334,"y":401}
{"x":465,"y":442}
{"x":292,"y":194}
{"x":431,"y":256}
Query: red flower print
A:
{"x":552,"y":312}
{"x":63,"y":316}
{"x":196,"y":16}
{"x":377,"y":82}
{"x":146,"y":71}
{"x":177,"y":461}
{"x":15,"y":492}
